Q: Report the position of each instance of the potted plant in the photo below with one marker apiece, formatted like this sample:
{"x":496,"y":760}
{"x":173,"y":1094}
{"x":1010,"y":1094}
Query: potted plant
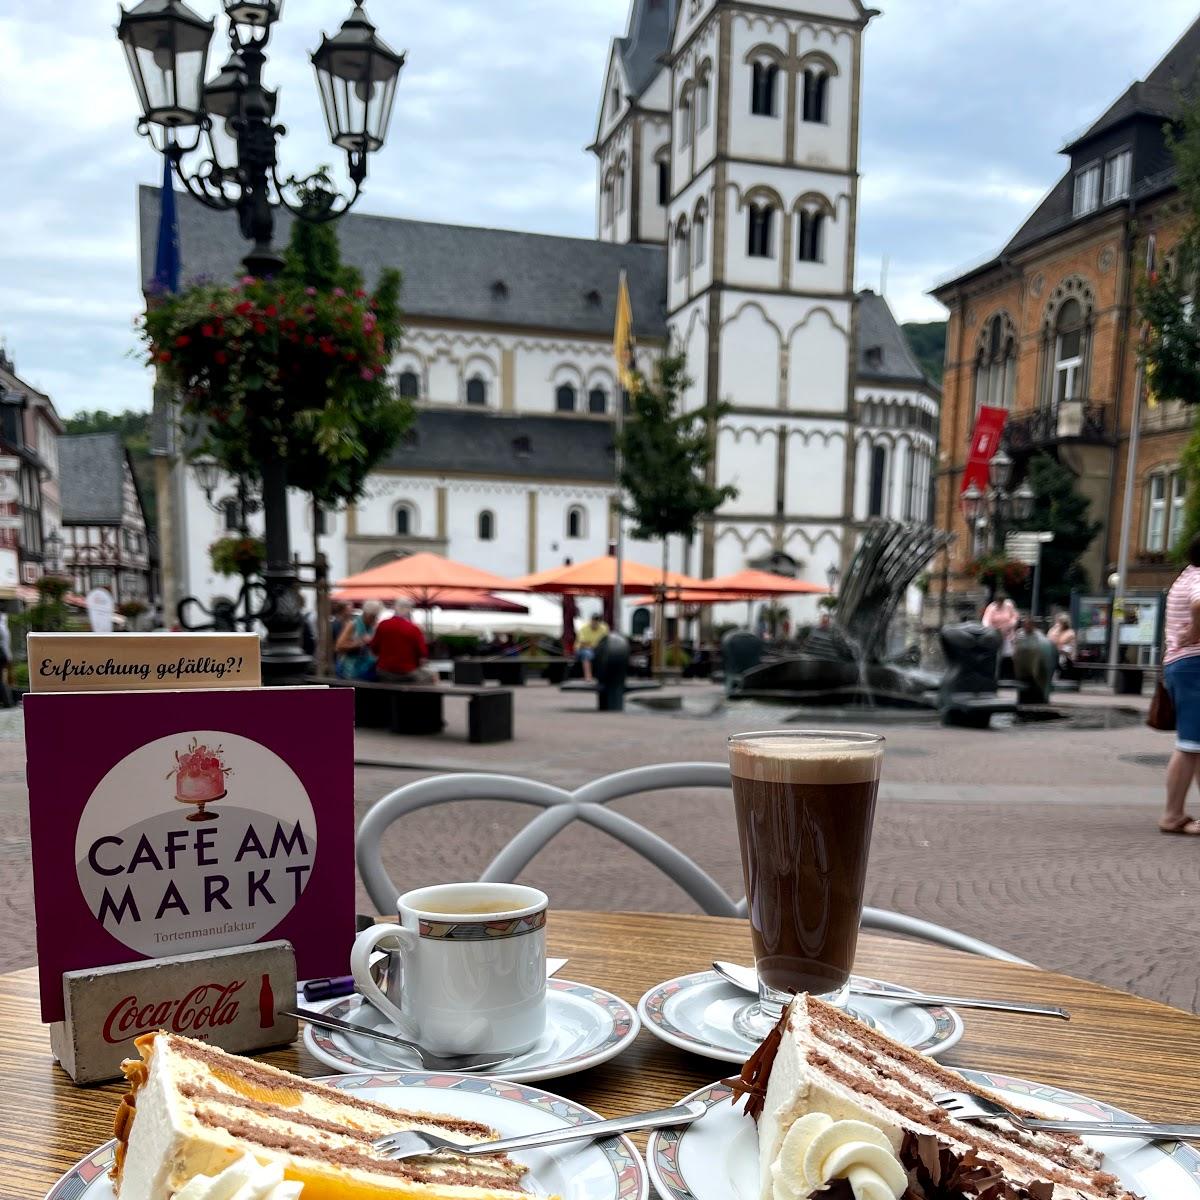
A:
{"x":243,"y":556}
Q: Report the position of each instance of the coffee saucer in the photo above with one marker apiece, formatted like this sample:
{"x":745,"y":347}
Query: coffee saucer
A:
{"x":699,"y":1013}
{"x":585,"y":1026}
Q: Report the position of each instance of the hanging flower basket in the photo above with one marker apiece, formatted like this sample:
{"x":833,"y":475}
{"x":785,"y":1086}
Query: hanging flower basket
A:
{"x":243,"y":556}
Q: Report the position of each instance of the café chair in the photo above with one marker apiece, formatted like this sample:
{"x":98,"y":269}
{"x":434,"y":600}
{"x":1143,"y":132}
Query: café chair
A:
{"x":587,"y":803}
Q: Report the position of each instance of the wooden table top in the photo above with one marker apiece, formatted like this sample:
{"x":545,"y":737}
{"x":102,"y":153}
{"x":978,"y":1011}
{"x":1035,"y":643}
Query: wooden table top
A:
{"x":1135,"y":1053}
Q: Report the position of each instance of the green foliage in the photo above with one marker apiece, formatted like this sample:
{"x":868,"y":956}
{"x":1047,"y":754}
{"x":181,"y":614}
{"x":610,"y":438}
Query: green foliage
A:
{"x":294,"y":367}
{"x":1058,"y":508}
{"x":997,"y":572}
{"x":1171,"y":351}
{"x":927,"y":340}
{"x":1189,"y":462}
{"x":238,"y":555}
{"x":666,"y":453}
{"x":134,"y":428}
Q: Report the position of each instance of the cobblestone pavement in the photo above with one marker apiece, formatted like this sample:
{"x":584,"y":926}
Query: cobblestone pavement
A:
{"x":1040,"y":838}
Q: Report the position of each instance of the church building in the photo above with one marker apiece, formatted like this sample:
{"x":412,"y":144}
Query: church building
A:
{"x":726,"y":143}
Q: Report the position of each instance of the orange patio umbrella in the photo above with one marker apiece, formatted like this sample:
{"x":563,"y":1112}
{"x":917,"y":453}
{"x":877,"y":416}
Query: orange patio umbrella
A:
{"x":751,"y":583}
{"x":468,"y":599}
{"x":687,"y":596}
{"x":598,"y":577}
{"x":423,"y":578}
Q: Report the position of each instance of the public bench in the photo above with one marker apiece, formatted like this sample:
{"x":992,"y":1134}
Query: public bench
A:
{"x":508,"y":672}
{"x":416,"y":708}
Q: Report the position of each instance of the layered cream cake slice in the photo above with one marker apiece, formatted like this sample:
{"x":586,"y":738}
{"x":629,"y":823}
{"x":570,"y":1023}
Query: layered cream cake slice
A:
{"x":846,"y":1112}
{"x":195,"y":1113}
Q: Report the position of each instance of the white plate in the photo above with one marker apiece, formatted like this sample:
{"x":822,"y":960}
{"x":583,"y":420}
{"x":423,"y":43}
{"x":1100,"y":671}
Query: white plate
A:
{"x":695,"y":1012}
{"x":608,"y":1170}
{"x":584,"y":1027}
{"x":717,"y":1157}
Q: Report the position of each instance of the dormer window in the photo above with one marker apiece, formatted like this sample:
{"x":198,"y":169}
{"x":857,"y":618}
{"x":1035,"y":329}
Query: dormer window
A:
{"x":1087,"y":189}
{"x":1118,"y":175}
{"x":499,"y":290}
{"x":522,"y":447}
{"x":874,"y":357}
{"x":593,"y":298}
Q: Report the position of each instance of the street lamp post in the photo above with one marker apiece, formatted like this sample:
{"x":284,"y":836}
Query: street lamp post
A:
{"x":1001,"y":505}
{"x":166,"y":44}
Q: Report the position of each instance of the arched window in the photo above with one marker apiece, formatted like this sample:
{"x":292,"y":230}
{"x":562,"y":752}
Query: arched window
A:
{"x":816,"y":95}
{"x":810,"y":240}
{"x":759,"y":220}
{"x":487,"y":525}
{"x":664,"y":182}
{"x":619,"y":184}
{"x":686,"y":117}
{"x":683,"y":250}
{"x":476,"y":391}
{"x":576,"y":521}
{"x":410,"y":385}
{"x":764,"y":86}
{"x":698,"y":236}
{"x":996,"y":364}
{"x":606,"y":199}
{"x":597,"y":400}
{"x":231,"y":514}
{"x":405,"y":519}
{"x":564,"y":397}
{"x":322,"y":521}
{"x":1068,"y":352}
{"x":878,"y":479}
{"x":614,"y":99}
{"x":703,"y":100}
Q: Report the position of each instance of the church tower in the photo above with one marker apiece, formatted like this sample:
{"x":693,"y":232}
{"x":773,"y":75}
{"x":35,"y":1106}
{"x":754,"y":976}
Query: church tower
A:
{"x":633,"y":130}
{"x":761,"y":217}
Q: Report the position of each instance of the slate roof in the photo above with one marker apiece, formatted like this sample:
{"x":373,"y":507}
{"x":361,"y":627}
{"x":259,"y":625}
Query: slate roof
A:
{"x":468,"y":273}
{"x":489,"y":444}
{"x":91,"y":478}
{"x":881,"y":350}
{"x":649,"y":36}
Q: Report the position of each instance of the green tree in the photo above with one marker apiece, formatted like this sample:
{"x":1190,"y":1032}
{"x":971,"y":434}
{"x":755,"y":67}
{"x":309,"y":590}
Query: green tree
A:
{"x":927,"y":340}
{"x":1166,"y":296}
{"x":666,"y":454}
{"x":1058,"y":508}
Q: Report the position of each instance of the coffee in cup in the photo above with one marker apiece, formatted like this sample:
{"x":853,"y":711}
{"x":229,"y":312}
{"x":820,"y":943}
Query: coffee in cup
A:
{"x":805,"y":806}
{"x":472,"y":959}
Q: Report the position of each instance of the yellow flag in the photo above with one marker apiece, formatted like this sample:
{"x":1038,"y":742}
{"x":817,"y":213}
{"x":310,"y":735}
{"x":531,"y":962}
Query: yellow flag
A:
{"x":624,"y":346}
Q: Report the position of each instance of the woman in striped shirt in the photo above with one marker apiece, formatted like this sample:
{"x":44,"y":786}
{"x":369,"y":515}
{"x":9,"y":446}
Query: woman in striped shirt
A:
{"x":1181,"y":675}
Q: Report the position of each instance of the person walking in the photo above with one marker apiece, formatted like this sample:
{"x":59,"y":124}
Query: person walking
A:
{"x":586,"y":641}
{"x":400,"y":650}
{"x":352,"y":650}
{"x":1181,"y":677}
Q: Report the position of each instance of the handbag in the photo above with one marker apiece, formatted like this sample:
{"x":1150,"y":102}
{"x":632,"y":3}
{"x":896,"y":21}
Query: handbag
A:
{"x":1162,"y":709}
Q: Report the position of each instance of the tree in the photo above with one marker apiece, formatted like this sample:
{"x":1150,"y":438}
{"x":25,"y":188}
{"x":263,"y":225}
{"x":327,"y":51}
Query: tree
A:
{"x":293,"y":368}
{"x":1166,"y":296}
{"x":1058,"y":508}
{"x":666,"y":453}
{"x":927,"y":340}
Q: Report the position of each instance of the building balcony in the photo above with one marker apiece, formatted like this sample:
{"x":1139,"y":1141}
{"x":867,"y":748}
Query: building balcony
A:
{"x":1067,"y":421}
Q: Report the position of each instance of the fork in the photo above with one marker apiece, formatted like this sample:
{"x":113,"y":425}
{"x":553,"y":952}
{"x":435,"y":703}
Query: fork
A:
{"x":969,"y":1107}
{"x":411,"y":1144}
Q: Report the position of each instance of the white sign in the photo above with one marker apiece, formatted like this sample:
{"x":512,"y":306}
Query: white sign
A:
{"x":100,"y":610}
{"x":1026,"y":547}
{"x":9,"y":568}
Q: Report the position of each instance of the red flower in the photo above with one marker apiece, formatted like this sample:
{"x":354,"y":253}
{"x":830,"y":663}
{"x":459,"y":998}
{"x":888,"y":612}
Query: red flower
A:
{"x":272,"y":311}
{"x":183,"y":340}
{"x":207,"y":330}
{"x":221,"y":357}
{"x":309,"y":340}
{"x":164,"y":356}
{"x":244,"y":309}
{"x":259,"y":327}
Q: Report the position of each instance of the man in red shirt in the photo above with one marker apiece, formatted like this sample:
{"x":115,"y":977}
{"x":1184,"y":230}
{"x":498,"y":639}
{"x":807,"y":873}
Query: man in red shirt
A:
{"x":399,"y":648}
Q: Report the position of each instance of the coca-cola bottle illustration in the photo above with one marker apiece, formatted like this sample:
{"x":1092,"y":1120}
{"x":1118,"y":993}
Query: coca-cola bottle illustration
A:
{"x":266,"y":1004}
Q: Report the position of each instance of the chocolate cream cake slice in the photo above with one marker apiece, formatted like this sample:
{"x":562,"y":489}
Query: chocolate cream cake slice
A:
{"x":195,"y":1111}
{"x":846,"y":1113}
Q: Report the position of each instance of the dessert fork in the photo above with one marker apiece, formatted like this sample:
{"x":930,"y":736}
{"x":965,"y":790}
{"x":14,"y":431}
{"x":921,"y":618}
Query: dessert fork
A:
{"x":409,"y":1143}
{"x":969,"y":1107}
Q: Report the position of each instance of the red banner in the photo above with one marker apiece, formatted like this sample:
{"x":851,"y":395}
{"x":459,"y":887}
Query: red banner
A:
{"x":985,"y":441}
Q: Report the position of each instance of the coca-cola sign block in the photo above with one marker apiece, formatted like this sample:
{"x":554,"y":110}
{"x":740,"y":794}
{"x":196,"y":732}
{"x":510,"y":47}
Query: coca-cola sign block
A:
{"x":181,"y":822}
{"x":227,"y":997}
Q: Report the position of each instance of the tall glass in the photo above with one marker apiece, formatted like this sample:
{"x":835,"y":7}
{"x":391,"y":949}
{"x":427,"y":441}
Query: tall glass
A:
{"x":805,"y":803}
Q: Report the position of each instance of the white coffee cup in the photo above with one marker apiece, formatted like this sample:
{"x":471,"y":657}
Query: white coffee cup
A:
{"x":473,"y":974}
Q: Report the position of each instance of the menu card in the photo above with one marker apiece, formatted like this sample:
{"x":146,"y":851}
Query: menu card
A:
{"x":168,"y":823}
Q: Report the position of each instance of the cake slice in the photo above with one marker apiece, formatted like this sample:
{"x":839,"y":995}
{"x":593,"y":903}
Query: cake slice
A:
{"x":193,"y":1111}
{"x":846,"y":1112}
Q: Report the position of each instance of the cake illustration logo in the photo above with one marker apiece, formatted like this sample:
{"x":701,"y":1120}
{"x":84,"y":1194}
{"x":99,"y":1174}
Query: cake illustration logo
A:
{"x":199,"y":774}
{"x":216,"y":858}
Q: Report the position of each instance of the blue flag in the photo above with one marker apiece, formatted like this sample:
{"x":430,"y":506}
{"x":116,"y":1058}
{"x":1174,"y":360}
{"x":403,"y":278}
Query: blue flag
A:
{"x":167,"y":261}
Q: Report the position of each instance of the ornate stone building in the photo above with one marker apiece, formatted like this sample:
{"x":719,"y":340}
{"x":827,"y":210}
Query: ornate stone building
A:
{"x":1048,"y":329}
{"x":727,"y":160}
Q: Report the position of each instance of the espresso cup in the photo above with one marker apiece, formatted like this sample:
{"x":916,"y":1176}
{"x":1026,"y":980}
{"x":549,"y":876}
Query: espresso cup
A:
{"x":472,"y":972}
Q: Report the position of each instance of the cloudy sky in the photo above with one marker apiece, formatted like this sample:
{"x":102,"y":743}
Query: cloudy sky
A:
{"x":965,"y":106}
